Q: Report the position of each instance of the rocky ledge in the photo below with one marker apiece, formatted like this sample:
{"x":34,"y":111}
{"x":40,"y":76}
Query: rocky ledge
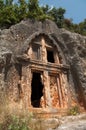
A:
{"x":77,"y":122}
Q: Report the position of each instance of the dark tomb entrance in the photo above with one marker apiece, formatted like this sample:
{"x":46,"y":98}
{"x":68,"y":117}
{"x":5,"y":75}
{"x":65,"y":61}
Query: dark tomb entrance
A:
{"x":37,"y":89}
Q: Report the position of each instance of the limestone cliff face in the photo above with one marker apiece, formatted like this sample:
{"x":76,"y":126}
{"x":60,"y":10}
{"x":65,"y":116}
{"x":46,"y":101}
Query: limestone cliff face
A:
{"x":13,"y":44}
{"x":76,"y":48}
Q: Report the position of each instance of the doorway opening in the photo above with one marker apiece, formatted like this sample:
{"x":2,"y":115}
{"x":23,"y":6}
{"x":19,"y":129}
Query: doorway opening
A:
{"x":37,"y":89}
{"x":50,"y":56}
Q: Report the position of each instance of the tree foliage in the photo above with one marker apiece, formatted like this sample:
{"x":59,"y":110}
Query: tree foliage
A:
{"x":34,"y":9}
{"x":12,"y":13}
{"x":58,"y":15}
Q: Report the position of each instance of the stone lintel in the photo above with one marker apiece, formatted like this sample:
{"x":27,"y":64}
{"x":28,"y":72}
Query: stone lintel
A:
{"x":46,"y":66}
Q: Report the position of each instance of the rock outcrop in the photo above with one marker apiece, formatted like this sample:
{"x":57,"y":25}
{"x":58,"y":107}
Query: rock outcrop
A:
{"x":14,"y":44}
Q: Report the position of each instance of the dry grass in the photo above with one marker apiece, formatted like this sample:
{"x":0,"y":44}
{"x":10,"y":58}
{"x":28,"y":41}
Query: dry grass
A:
{"x":16,"y":119}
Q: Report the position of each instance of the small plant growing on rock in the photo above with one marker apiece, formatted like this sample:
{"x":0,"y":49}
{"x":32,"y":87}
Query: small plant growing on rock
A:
{"x":74,"y":110}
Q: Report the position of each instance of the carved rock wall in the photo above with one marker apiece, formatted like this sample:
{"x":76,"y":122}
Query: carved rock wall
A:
{"x":14,"y":44}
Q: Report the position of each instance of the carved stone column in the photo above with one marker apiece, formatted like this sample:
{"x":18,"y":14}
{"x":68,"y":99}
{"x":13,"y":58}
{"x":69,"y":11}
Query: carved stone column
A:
{"x":44,"y":53}
{"x":59,"y":91}
{"x":47,"y":89}
{"x":64,"y":90}
{"x":26,"y":86}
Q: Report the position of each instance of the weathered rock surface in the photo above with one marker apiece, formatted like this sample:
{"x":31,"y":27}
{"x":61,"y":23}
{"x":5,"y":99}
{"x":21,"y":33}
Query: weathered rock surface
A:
{"x":77,"y":122}
{"x":73,"y":123}
{"x":76,"y":45}
{"x":13,"y":43}
{"x":76,"y":125}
